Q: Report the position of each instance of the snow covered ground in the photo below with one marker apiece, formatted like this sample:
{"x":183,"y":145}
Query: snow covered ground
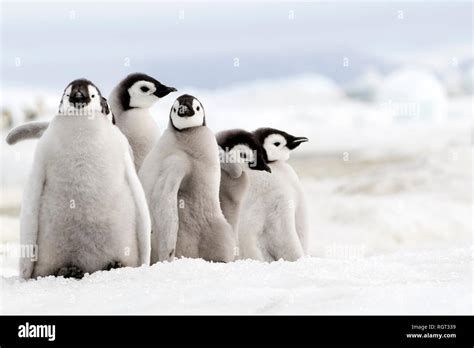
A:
{"x":402,"y":283}
{"x":390,"y":197}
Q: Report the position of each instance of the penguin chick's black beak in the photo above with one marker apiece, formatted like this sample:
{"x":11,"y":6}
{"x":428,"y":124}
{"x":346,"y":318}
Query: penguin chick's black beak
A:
{"x":163,"y":91}
{"x":296,"y":141}
{"x":77,"y":98}
{"x":185,"y":110}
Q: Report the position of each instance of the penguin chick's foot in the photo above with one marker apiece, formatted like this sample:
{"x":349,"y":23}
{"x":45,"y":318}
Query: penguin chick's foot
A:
{"x":112,"y":265}
{"x":70,"y":272}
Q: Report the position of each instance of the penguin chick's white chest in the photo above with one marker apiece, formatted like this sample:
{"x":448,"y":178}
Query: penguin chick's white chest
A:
{"x":200,"y":146}
{"x":85,"y":203}
{"x":141,"y":131}
{"x":267,"y":229}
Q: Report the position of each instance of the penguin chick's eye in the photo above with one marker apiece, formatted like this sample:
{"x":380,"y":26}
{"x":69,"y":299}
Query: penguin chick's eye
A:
{"x":198,"y":108}
{"x":144,"y":89}
{"x":174,"y":109}
{"x":276,"y":143}
{"x":93,"y":96}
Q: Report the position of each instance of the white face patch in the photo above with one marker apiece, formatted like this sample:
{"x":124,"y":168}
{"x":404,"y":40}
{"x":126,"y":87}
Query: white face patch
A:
{"x":92,"y":108}
{"x":65,"y":106}
{"x":195,"y":120}
{"x":141,"y":94}
{"x":275,"y":146}
{"x":94,"y":104}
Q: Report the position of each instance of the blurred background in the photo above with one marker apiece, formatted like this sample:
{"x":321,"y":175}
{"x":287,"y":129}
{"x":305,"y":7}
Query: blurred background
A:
{"x":383,"y":91}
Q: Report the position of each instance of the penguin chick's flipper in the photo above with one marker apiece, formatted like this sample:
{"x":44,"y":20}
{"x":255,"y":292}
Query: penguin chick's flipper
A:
{"x":113,"y":265}
{"x":31,"y":130}
{"x":70,"y":272}
{"x":143,"y":225}
{"x":29,"y":216}
{"x":164,"y":207}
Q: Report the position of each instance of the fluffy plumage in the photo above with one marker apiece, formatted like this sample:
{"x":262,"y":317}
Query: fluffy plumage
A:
{"x":274,"y":221}
{"x":181,"y":177}
{"x":83,"y":204}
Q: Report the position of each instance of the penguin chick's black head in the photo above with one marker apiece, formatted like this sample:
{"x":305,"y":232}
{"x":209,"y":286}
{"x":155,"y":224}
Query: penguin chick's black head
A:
{"x":187,"y":112}
{"x":141,"y":91}
{"x":79,"y":93}
{"x":244,"y":147}
{"x":276,"y":143}
{"x":82,"y":94}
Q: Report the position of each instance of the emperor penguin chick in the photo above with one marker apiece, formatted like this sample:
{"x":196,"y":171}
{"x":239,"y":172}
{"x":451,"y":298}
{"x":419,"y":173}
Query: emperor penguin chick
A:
{"x":277,"y":146}
{"x":130,"y":102}
{"x":273,"y":217}
{"x":83,"y":206}
{"x":239,"y":153}
{"x":181,"y":178}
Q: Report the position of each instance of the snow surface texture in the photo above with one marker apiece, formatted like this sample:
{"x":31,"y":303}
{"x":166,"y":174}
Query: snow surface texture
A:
{"x":404,"y":283}
{"x":390,"y":198}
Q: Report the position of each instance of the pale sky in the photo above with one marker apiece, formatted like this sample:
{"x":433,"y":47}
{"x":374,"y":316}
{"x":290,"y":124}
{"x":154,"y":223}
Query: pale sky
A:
{"x":198,"y":43}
